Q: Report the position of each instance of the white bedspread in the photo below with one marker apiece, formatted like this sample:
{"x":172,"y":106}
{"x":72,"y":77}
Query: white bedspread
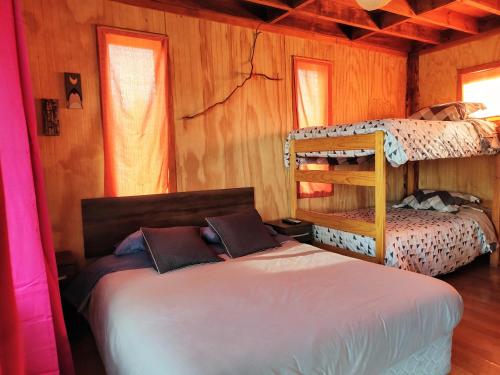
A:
{"x":291,"y":310}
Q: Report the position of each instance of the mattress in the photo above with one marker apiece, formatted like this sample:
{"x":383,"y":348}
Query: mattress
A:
{"x":405,"y":140}
{"x":423,"y":241}
{"x":295,"y":309}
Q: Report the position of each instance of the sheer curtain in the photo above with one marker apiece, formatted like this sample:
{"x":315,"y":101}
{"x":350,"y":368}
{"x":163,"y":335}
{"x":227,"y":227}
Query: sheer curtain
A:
{"x":138,"y":138}
{"x":32,"y":332}
{"x":483,"y":86}
{"x":313,"y":107}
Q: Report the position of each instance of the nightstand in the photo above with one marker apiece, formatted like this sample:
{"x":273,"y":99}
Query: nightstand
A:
{"x":67,"y":267}
{"x":300,"y":232}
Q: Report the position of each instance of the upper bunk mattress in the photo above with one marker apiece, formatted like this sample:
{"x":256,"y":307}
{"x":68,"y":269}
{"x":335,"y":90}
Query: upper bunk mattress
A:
{"x":423,"y":241}
{"x":406,"y":140}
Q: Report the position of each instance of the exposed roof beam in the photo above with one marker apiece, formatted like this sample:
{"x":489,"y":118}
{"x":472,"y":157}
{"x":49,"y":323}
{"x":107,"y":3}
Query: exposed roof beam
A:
{"x":429,"y":11}
{"x":271,"y":3}
{"x":451,"y":19}
{"x":345,"y":15}
{"x":357,"y":17}
{"x":432,"y":12}
{"x":296,"y":5}
{"x":490,"y":6}
{"x":424,"y":6}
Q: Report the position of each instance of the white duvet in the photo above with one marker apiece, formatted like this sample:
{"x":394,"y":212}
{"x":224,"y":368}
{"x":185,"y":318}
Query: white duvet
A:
{"x":290,"y":310}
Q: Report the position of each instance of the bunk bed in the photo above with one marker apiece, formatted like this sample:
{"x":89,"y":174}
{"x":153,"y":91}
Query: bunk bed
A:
{"x":385,"y":235}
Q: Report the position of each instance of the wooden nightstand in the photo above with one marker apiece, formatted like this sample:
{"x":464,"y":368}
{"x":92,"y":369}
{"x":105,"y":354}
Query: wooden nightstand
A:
{"x":301,"y":232}
{"x":67,"y":267}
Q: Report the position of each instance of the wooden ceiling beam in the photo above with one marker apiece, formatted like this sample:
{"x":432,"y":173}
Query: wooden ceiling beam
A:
{"x":413,"y":31}
{"x":357,"y":17}
{"x":424,"y":6}
{"x":490,"y":6}
{"x":296,"y":6}
{"x":271,"y":3}
{"x":332,"y":11}
{"x":450,"y":19}
{"x":433,"y":12}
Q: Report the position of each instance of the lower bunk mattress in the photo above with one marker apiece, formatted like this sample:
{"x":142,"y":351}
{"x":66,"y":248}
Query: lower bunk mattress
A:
{"x":423,"y":241}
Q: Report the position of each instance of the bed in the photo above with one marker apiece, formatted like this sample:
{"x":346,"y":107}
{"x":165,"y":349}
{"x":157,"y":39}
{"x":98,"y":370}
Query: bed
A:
{"x":398,"y":142}
{"x":294,"y":309}
{"x":424,"y":241}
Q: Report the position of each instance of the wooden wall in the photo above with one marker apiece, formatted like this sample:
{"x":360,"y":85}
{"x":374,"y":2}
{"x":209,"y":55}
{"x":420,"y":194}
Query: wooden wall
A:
{"x":238,"y":144}
{"x":438,"y":84}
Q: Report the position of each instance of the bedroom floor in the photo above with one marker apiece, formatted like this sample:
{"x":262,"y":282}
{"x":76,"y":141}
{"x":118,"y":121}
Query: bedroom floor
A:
{"x":476,"y":342}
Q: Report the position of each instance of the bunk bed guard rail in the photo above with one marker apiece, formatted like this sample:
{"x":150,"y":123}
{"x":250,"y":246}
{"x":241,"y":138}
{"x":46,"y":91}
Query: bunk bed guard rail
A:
{"x":375,"y":178}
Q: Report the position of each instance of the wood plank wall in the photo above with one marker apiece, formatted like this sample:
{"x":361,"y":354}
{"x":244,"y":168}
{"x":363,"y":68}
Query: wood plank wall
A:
{"x":239,"y":144}
{"x":438,"y":84}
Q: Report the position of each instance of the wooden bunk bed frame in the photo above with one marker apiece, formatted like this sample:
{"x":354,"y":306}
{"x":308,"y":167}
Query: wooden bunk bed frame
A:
{"x":375,"y":178}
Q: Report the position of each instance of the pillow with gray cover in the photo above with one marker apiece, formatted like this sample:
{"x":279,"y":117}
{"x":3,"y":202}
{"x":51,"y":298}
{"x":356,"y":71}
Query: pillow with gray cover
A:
{"x":242,"y":233}
{"x":177,"y":247}
{"x":133,"y":243}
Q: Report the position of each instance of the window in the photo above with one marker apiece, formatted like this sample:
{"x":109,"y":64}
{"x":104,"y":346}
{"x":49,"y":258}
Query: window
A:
{"x":137,"y":131}
{"x":312,"y":107}
{"x":481,"y":84}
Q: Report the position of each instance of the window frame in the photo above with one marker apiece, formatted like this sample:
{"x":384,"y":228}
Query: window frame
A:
{"x":462,"y":72}
{"x":101,"y":30}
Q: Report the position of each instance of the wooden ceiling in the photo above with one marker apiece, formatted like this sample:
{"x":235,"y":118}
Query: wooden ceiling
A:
{"x":402,"y":25}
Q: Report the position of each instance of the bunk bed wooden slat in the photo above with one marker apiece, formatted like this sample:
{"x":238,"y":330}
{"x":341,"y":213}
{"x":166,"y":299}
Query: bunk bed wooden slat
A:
{"x":338,"y":222}
{"x":351,"y":142}
{"x":347,"y":253}
{"x":359,"y":178}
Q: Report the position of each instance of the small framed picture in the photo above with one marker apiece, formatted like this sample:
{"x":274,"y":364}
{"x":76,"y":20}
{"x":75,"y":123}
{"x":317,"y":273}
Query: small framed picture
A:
{"x":50,"y":118}
{"x":73,"y":85}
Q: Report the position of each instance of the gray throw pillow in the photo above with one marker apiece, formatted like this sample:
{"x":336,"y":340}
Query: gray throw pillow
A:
{"x":177,"y":247}
{"x":242,"y":233}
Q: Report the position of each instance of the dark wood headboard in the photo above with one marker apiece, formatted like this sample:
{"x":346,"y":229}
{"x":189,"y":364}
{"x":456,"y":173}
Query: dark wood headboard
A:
{"x":107,"y":221}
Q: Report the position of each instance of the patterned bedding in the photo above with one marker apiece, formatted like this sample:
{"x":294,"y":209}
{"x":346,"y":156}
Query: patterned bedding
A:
{"x":427,"y":242}
{"x":405,"y":140}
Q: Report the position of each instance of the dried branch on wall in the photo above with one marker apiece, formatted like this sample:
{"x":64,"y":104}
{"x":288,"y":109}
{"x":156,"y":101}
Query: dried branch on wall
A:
{"x":249,"y":76}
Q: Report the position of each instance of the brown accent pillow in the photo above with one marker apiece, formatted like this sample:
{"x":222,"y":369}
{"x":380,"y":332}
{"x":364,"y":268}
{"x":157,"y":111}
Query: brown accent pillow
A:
{"x":242,"y":233}
{"x":177,"y":247}
{"x":454,"y":111}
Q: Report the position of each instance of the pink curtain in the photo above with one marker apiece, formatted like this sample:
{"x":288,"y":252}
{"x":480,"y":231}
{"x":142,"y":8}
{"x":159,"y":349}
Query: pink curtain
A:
{"x":32,"y":332}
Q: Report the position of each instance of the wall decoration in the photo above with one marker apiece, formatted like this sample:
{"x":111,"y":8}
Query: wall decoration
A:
{"x":73,"y":85}
{"x":249,"y":76}
{"x":50,"y":118}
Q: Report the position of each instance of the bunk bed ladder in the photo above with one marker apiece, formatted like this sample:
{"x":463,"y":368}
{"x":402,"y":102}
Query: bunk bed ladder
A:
{"x":376,"y":179}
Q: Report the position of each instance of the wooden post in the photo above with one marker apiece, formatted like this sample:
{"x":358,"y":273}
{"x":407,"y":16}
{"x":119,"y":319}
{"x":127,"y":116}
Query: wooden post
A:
{"x":380,"y":196}
{"x":412,"y":84}
{"x":293,"y":182}
{"x":411,"y":177}
{"x":495,"y":257}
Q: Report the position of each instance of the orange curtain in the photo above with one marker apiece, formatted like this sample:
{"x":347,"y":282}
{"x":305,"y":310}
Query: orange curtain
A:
{"x":313,"y":107}
{"x":138,"y":137}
